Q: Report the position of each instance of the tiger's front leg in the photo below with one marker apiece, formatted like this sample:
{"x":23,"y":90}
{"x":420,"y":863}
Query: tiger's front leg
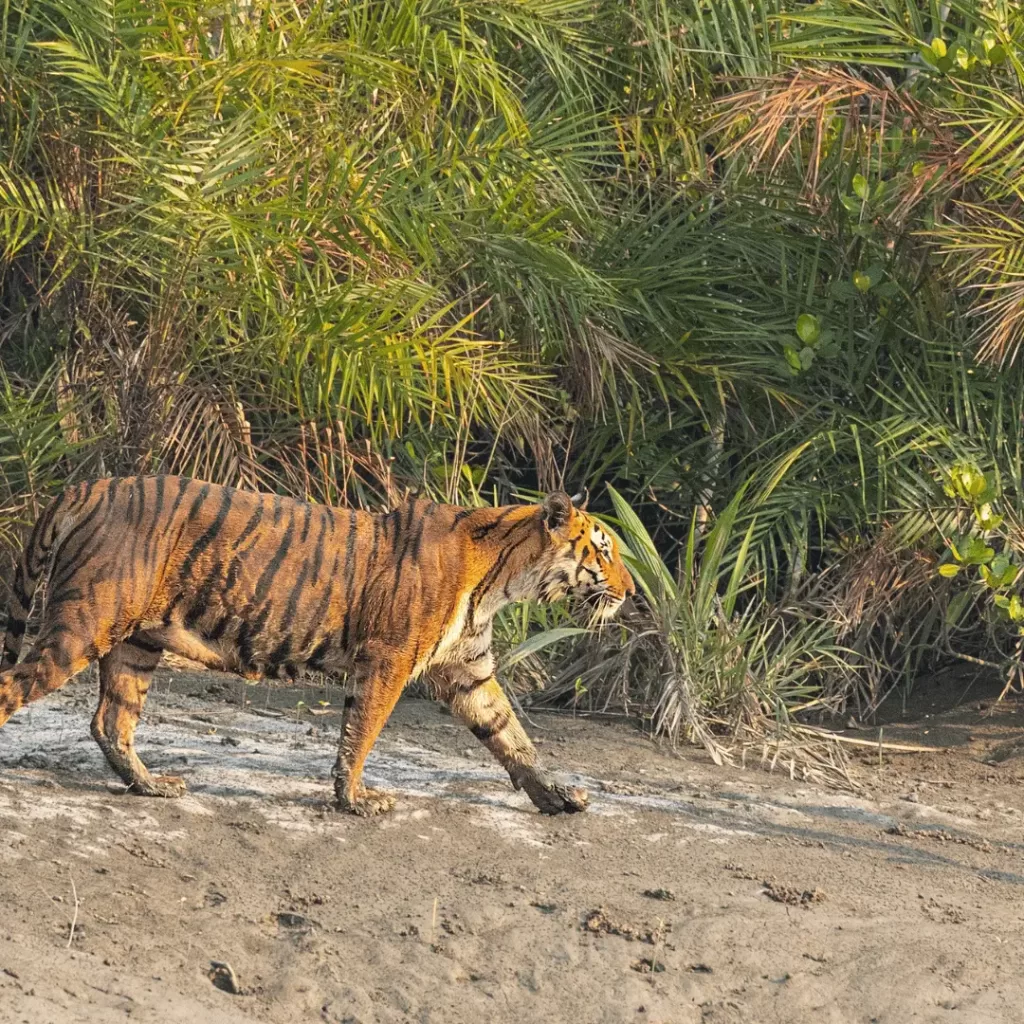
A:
{"x":477,"y":699}
{"x":125,"y":674}
{"x":381,"y":681}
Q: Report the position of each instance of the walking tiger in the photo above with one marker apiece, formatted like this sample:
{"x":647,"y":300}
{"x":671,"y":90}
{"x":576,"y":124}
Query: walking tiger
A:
{"x":258,"y":583}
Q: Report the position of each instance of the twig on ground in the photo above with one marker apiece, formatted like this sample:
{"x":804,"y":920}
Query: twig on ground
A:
{"x":898,"y":748}
{"x":74,"y":919}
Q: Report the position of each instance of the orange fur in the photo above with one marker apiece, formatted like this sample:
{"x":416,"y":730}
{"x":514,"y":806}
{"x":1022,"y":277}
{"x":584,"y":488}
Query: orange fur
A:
{"x":256,"y":583}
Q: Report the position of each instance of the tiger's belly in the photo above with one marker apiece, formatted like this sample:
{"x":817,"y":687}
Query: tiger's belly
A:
{"x":247,"y":655}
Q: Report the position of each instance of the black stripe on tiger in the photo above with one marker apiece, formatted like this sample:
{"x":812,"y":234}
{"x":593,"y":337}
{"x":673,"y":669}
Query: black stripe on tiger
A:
{"x":65,"y":570}
{"x":370,"y":568}
{"x":250,"y":527}
{"x":482,"y":531}
{"x":249,"y":633}
{"x":402,"y":555}
{"x":143,"y":645}
{"x":153,"y":530}
{"x":350,"y":576}
{"x":207,"y":537}
{"x":318,"y":551}
{"x":317,"y":621}
{"x":491,"y":729}
{"x":170,"y":521}
{"x":41,"y":539}
{"x":201,"y":600}
{"x":283,"y":651}
{"x":273,"y":567}
{"x":485,"y":585}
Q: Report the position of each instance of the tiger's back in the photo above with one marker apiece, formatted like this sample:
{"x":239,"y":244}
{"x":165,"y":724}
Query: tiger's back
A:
{"x":259,"y":583}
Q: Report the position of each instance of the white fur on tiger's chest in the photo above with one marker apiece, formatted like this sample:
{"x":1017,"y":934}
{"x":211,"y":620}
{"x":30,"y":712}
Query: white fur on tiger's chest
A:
{"x":449,"y":639}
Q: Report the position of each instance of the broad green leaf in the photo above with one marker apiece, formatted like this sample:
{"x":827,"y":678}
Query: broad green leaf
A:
{"x":538,"y":642}
{"x":653,"y":575}
{"x":977,"y":485}
{"x":987,"y":519}
{"x":807,"y":328}
{"x":978,"y":552}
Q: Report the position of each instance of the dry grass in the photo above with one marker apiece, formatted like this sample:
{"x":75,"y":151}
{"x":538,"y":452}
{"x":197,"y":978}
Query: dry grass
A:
{"x":807,"y":115}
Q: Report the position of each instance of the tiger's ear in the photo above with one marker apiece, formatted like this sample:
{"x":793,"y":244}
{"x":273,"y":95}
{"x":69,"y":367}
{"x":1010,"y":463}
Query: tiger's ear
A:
{"x":557,"y":509}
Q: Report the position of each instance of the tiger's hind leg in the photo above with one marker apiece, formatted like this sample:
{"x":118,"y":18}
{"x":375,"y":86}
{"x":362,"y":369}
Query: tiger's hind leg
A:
{"x":125,"y":674}
{"x":477,"y":699}
{"x":17,"y":617}
{"x":58,"y":655}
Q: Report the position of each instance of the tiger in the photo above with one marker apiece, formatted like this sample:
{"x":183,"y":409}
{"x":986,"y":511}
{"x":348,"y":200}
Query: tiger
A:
{"x":262,"y":584}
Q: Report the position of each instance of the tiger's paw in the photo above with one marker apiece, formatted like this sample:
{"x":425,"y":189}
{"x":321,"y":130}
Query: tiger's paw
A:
{"x":368,"y":803}
{"x":549,"y":796}
{"x":561,"y":799}
{"x":167,"y":786}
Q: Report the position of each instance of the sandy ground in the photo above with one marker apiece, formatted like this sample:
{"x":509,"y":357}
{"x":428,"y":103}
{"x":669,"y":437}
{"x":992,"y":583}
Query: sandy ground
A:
{"x":687,"y":893}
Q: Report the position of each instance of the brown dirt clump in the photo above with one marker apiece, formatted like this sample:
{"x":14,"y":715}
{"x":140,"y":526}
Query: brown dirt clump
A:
{"x":792,"y":895}
{"x":597,"y":922}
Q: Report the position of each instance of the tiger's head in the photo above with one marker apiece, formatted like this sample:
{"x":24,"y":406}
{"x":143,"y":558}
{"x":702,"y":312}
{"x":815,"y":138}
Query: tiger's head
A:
{"x":582,"y":559}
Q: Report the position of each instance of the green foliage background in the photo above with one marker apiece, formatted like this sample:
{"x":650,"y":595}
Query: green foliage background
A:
{"x":755,"y":256}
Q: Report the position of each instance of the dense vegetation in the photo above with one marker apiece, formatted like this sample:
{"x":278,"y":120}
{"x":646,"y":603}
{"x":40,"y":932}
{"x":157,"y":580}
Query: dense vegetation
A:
{"x":756,"y":264}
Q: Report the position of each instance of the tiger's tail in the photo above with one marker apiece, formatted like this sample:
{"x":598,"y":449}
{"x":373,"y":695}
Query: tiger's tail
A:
{"x":33,"y":562}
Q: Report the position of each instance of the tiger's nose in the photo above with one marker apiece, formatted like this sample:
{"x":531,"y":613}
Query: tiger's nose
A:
{"x":630,"y":586}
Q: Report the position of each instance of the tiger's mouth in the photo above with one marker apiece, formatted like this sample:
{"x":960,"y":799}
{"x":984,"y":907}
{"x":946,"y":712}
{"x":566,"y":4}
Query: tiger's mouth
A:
{"x":599,"y":602}
{"x":602,"y":607}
